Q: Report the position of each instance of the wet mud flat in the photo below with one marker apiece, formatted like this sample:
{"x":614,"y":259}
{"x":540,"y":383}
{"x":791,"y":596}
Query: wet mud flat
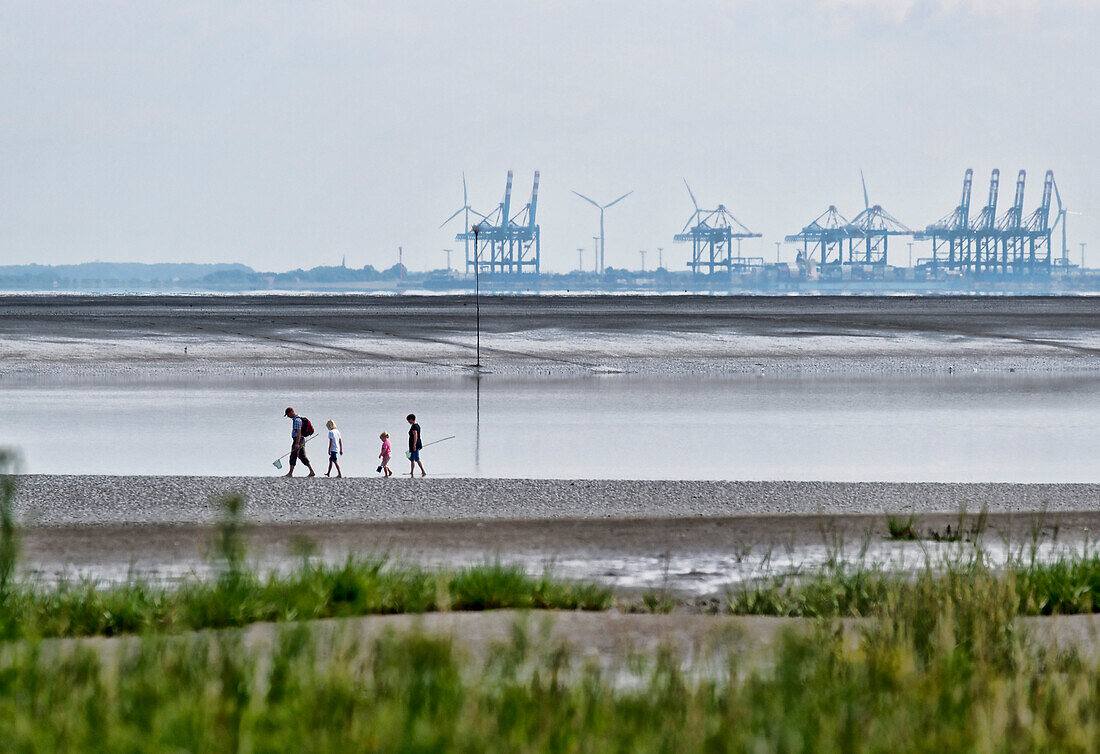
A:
{"x":166,"y":337}
{"x":440,"y":315}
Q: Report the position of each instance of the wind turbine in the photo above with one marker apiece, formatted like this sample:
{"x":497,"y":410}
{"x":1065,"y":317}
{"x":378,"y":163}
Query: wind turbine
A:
{"x":1062,"y":212}
{"x":695,"y":217}
{"x":866,"y":201}
{"x":466,"y":225}
{"x":601,"y":208}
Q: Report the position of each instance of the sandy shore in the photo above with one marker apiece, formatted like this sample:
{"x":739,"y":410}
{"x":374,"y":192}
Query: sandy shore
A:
{"x":126,"y":338}
{"x":51,"y":500}
{"x":692,"y":538}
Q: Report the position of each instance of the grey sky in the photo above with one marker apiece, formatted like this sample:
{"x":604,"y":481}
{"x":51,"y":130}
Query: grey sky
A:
{"x":288,"y":134}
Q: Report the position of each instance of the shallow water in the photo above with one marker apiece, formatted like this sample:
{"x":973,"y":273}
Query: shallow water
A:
{"x":683,"y":574}
{"x":955,"y":428}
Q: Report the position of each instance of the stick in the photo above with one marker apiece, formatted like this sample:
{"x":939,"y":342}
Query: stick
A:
{"x":408,"y":453}
{"x":278,"y":462}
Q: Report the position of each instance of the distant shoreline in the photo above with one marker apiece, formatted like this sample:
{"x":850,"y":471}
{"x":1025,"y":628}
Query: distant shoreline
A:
{"x":932,"y":289}
{"x":779,"y":278}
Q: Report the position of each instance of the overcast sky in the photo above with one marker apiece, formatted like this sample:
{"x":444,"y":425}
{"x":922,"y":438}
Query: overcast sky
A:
{"x":289,"y":134}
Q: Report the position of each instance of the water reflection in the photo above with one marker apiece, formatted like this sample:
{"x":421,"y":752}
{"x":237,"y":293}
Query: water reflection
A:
{"x":946,"y":429}
{"x":477,"y":424}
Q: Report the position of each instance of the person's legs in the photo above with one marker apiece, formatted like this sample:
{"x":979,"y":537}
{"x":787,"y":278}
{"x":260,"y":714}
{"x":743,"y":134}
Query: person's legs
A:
{"x":302,"y":455}
{"x":293,"y":460}
{"x":421,"y":465}
{"x":337,"y":465}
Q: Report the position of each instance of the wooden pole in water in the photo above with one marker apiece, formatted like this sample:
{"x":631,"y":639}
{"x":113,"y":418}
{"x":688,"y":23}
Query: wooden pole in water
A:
{"x":477,"y":297}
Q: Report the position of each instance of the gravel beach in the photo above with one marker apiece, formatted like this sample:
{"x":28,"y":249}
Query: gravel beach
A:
{"x":693,"y":538}
{"x":53,"y":500}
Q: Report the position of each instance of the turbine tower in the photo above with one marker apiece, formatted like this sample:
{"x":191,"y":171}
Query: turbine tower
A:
{"x":1061,"y":219}
{"x":601,"y":208}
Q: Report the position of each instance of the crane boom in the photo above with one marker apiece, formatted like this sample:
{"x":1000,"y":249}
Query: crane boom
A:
{"x":1017,"y":211}
{"x":507,"y":207}
{"x":964,"y":205}
{"x":988,"y":219}
{"x":1042,"y":215}
{"x":534,"y":201}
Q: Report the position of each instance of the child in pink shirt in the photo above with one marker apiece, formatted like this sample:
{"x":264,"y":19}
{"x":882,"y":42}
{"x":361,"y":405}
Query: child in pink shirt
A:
{"x":385,"y":454}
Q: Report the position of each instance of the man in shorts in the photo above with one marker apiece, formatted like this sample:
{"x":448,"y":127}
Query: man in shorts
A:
{"x":297,"y":442}
{"x":415,"y":444}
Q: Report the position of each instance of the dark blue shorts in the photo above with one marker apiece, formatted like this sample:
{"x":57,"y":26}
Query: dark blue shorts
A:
{"x":414,"y":455}
{"x":332,"y":456}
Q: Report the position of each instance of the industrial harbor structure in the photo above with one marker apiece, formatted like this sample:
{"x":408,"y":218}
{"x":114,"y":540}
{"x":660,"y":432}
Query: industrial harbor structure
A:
{"x":831,"y":241}
{"x":984,"y":245}
{"x":712,"y":234}
{"x":504,"y":244}
{"x":1013,"y":245}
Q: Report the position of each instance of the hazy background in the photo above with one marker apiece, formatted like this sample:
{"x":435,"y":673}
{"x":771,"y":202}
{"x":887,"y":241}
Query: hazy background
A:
{"x":288,"y":134}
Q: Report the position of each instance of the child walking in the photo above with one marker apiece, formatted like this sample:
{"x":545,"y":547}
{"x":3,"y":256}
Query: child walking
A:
{"x":385,"y":454}
{"x":335,"y":445}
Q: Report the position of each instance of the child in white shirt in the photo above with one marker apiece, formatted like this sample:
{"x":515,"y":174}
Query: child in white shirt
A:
{"x":335,"y":445}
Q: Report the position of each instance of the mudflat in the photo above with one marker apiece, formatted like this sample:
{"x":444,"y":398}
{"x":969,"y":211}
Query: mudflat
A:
{"x":70,"y":337}
{"x":458,"y":541}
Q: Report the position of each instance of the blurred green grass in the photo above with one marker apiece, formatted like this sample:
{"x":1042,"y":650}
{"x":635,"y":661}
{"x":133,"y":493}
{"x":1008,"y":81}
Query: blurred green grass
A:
{"x":939,"y":662}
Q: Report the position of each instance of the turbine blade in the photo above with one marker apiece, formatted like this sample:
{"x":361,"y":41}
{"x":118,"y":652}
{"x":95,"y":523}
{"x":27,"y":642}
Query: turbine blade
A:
{"x":866,"y":202}
{"x":465,"y":197}
{"x":691,"y":194}
{"x":582,"y":196}
{"x":628,"y":193}
{"x":452,"y":217}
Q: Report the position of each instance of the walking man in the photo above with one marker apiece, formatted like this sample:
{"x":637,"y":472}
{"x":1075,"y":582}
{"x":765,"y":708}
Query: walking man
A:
{"x":415,"y":444}
{"x":297,"y":442}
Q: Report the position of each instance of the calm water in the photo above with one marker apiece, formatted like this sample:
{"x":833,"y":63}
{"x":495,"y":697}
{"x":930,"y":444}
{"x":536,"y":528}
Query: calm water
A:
{"x":959,"y":428}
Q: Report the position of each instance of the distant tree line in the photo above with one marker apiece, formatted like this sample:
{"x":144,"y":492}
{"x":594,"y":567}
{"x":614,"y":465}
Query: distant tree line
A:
{"x":100,"y":275}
